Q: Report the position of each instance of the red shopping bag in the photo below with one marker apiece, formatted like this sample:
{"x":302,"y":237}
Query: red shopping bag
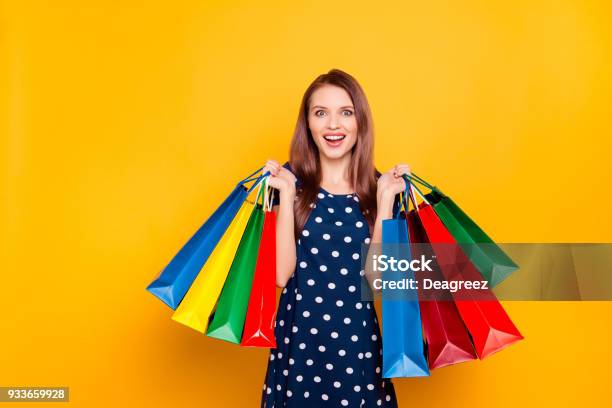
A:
{"x":485,"y":318}
{"x":447,"y":338}
{"x":261,"y":312}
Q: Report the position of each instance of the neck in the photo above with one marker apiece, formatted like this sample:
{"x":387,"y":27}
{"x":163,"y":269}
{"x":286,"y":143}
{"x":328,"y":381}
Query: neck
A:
{"x":335,"y":173}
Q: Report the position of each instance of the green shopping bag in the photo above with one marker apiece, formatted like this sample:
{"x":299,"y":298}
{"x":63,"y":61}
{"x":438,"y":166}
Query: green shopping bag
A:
{"x":488,"y":257}
{"x":228,"y":319}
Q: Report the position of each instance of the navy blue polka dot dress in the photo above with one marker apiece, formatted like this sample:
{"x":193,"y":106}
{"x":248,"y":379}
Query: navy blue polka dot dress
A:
{"x":328,"y":350}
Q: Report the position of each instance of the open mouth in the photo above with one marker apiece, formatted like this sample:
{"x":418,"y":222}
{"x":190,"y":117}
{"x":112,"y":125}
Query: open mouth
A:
{"x":334,"y":140}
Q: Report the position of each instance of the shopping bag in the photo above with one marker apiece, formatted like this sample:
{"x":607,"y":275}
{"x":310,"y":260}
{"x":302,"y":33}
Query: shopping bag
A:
{"x":197,"y":305}
{"x":447,"y":339}
{"x":175,"y":279}
{"x":261,"y":313}
{"x":402,"y":333}
{"x":492,"y":262}
{"x":487,"y":322}
{"x":227,"y":321}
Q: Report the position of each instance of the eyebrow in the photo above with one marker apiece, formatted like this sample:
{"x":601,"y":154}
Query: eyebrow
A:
{"x":323,"y":107}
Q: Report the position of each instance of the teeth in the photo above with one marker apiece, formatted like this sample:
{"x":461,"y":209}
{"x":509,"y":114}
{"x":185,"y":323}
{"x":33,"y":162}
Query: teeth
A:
{"x":334,"y":137}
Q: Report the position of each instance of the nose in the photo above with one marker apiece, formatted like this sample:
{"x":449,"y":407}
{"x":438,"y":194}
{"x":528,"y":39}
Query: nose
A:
{"x":333,"y":122}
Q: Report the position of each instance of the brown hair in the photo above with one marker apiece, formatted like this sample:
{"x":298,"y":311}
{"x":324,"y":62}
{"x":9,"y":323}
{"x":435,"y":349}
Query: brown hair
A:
{"x":304,"y":154}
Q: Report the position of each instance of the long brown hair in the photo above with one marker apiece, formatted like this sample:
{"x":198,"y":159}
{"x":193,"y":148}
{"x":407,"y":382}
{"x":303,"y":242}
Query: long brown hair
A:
{"x":304,"y":154}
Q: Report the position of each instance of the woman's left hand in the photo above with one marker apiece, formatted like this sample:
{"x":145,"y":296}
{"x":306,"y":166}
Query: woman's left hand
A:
{"x":392,"y":183}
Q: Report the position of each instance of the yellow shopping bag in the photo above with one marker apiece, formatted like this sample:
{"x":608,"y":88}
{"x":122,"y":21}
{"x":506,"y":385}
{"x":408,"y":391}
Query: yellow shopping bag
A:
{"x":199,"y":302}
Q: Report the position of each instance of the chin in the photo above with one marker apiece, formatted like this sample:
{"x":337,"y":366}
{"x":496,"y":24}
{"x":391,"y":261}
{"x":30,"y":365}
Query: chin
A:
{"x":335,"y":154}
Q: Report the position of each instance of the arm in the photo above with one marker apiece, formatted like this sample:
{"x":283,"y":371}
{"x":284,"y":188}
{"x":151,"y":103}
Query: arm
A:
{"x":285,"y":239}
{"x":384,"y":212}
{"x":284,"y":181}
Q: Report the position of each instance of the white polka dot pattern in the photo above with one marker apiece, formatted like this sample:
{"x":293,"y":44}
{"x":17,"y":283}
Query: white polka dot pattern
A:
{"x":330,"y":349}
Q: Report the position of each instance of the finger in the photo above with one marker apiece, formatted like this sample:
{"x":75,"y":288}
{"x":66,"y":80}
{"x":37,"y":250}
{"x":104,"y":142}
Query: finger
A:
{"x":403,"y":169}
{"x":272,"y":164}
{"x":273,"y":167}
{"x":290,"y":178}
{"x":284,"y":172}
{"x":270,"y":169}
{"x":288,"y":173}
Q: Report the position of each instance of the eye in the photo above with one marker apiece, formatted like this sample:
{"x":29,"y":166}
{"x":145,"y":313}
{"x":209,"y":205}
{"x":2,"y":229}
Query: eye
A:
{"x":350,"y":112}
{"x":317,"y":113}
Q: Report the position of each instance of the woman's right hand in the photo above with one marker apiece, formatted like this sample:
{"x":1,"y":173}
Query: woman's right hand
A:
{"x":280,"y":177}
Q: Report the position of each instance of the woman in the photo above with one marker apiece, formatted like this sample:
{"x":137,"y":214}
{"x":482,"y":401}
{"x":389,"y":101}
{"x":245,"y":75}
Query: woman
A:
{"x":332,"y":200}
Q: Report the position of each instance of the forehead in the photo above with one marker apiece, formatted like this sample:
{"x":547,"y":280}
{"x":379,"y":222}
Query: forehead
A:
{"x":330,"y":96}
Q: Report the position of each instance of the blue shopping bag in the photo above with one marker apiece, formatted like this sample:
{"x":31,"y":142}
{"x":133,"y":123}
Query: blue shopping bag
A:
{"x":176,"y":278}
{"x":402,"y":335}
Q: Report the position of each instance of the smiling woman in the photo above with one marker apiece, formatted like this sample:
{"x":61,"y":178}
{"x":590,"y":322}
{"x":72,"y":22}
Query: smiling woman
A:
{"x":328,"y":339}
{"x":333,"y":127}
{"x":326,"y":119}
{"x":332,"y":146}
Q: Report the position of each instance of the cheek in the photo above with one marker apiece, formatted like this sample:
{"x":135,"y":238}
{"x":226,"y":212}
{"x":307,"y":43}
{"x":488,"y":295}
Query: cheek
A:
{"x":315,"y":126}
{"x":351,"y":143}
{"x":315,"y":132}
{"x":351,"y":127}
{"x":351,"y":124}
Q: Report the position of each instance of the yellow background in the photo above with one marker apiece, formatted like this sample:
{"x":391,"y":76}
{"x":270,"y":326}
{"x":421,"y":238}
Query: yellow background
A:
{"x":125,"y":123}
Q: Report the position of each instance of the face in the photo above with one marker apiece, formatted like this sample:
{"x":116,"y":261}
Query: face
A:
{"x":332,"y":122}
